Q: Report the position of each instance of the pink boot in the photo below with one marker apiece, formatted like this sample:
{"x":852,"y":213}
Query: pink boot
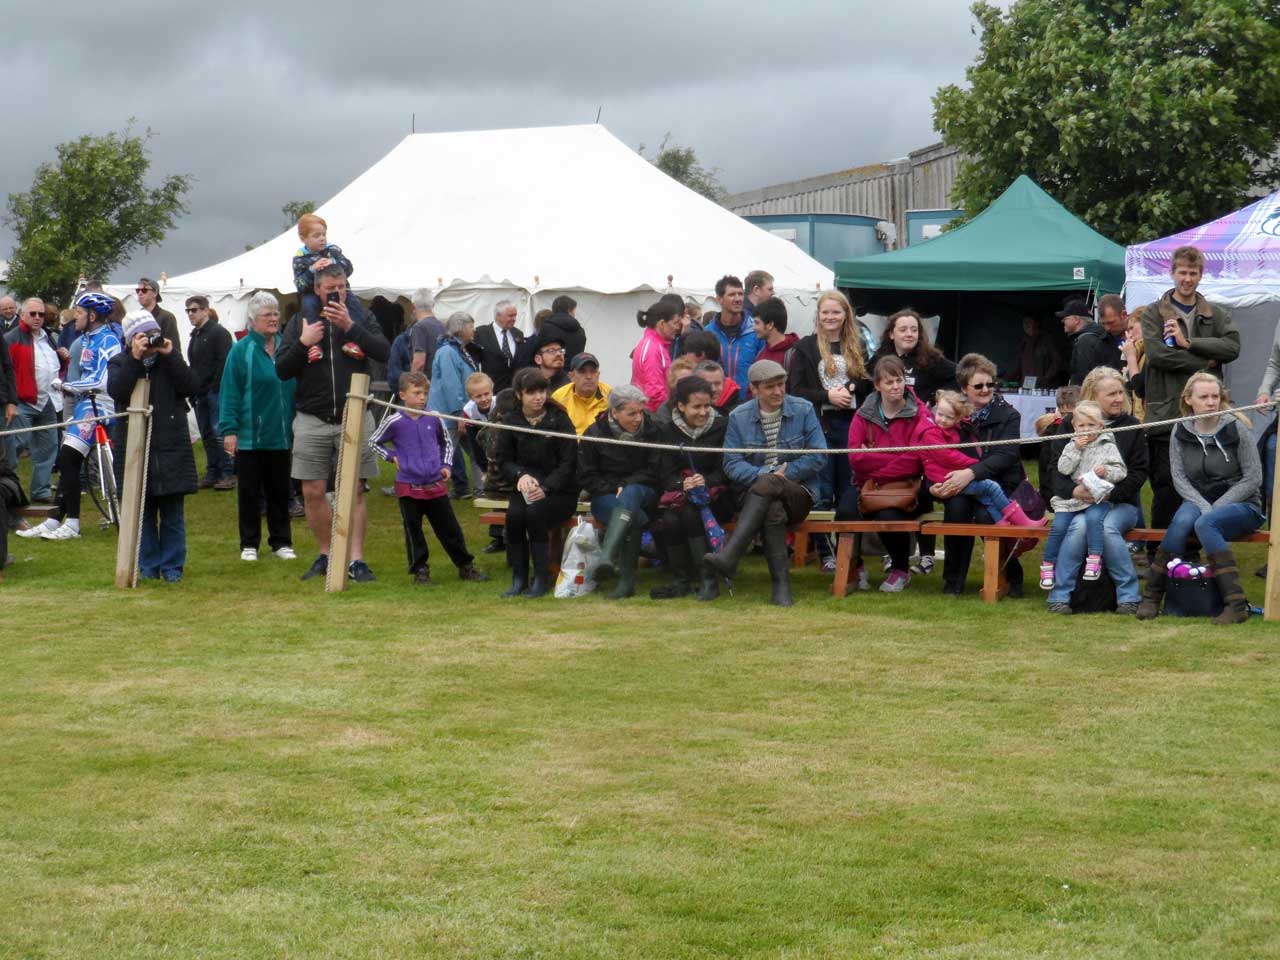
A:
{"x":1013,"y":516}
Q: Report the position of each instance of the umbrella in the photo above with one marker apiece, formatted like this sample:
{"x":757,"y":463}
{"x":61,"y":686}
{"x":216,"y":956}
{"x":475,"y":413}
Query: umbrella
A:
{"x":715,"y":534}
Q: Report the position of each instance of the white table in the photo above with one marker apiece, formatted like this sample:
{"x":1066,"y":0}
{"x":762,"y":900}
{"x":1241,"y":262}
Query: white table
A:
{"x":1031,"y":406}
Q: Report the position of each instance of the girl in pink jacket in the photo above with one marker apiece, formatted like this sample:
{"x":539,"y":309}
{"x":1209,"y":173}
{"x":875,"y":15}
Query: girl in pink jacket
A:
{"x":652,"y":355}
{"x":949,"y":410}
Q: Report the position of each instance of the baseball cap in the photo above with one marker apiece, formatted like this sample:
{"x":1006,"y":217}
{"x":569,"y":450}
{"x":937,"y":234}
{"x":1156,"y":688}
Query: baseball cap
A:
{"x":582,"y":359}
{"x":1074,"y":307}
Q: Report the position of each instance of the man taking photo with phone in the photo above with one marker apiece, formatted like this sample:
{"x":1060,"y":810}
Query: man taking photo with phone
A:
{"x":321,"y":352}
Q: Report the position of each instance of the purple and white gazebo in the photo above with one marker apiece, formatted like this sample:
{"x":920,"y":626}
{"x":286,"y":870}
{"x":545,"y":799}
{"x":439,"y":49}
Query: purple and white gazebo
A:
{"x":1242,"y":271}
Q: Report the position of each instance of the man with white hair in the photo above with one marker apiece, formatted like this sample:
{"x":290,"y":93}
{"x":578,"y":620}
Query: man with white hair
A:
{"x":8,"y":314}
{"x":500,"y":341}
{"x":426,"y":331}
{"x":36,"y":367}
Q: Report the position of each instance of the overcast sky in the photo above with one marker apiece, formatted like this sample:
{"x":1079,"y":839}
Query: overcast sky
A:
{"x":267,"y":107}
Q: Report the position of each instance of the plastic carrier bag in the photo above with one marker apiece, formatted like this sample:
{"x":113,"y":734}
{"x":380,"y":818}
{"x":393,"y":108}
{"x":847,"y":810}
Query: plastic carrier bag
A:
{"x":578,"y":565}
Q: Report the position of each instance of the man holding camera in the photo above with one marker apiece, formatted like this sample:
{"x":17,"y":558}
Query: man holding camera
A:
{"x":321,"y":352}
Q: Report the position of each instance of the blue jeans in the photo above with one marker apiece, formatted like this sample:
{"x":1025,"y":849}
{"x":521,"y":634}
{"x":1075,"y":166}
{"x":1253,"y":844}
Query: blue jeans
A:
{"x":1115,"y":552}
{"x":989,"y":494}
{"x":217,"y":464}
{"x":1212,"y":529}
{"x":1094,"y":515}
{"x":641,"y":501}
{"x":42,"y":444}
{"x":162,"y":551}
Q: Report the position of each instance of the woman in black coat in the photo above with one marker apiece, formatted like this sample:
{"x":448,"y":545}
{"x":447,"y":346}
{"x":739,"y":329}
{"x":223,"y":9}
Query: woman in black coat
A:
{"x":171,"y":468}
{"x":992,"y":419}
{"x":542,"y":468}
{"x":694,"y":423}
{"x":622,"y":482}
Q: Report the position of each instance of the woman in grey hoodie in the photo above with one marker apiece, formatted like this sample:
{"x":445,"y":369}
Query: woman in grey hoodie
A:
{"x":1215,"y":469}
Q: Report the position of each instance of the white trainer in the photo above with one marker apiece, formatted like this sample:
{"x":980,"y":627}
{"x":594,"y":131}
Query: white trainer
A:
{"x":39,"y":530}
{"x":249,"y":553}
{"x":284,"y":553}
{"x":63,"y":532}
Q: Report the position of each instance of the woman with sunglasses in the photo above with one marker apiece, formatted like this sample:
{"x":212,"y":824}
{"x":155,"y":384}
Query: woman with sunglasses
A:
{"x":992,"y":419}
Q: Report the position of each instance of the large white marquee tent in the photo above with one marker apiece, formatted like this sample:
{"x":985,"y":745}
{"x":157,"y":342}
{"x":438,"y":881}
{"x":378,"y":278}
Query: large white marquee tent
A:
{"x":1242,"y":271}
{"x":524,"y":215}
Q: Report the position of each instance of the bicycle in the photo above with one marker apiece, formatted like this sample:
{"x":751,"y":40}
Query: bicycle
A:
{"x":99,"y":470}
{"x":109,"y":506}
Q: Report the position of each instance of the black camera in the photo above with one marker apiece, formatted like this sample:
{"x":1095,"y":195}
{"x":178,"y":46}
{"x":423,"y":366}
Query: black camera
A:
{"x":155,"y":338}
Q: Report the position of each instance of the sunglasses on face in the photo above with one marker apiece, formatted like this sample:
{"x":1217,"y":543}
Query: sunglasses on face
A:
{"x":141,"y":289}
{"x":35,"y":313}
{"x":983,"y":387}
{"x":194,"y":309}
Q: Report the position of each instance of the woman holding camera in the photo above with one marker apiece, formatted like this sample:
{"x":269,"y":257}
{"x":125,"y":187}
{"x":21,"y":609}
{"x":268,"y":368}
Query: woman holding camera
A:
{"x":171,"y":468}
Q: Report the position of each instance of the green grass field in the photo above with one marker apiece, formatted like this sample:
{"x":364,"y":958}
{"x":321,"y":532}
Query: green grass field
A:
{"x":243,"y":766}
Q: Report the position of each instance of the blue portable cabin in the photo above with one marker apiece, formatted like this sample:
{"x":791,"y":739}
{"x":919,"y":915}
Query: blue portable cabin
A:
{"x":827,"y":237}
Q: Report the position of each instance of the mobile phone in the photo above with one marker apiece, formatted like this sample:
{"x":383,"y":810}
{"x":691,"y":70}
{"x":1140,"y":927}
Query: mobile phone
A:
{"x":332,"y":296}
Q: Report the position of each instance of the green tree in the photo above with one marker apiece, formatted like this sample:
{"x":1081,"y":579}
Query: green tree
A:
{"x":1143,"y":117}
{"x":294,"y":209}
{"x":681,"y":164}
{"x":86,"y":213}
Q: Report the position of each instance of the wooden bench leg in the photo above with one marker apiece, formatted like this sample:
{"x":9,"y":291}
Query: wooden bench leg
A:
{"x":994,"y":582}
{"x":800,"y":549}
{"x":555,"y":550}
{"x":844,"y":557}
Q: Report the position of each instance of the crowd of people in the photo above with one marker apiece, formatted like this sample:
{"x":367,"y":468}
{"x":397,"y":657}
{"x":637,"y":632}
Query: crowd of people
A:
{"x":269,"y":407}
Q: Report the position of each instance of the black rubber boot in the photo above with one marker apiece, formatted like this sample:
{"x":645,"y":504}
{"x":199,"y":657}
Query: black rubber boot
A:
{"x":775,"y":555}
{"x":541,"y":584}
{"x":710,"y":579}
{"x":628,"y":565}
{"x":1153,"y":590}
{"x":750,"y":520}
{"x":611,"y":545}
{"x":1235,"y":605}
{"x":682,"y":574}
{"x":518,"y":560}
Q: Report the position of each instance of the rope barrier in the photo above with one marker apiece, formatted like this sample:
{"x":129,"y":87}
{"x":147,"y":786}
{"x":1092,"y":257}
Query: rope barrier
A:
{"x":766,"y":451}
{"x":64,"y":424}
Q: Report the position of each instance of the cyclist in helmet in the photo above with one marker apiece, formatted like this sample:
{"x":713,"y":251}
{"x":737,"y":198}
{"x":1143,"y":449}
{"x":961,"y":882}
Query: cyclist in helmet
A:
{"x":101,"y":342}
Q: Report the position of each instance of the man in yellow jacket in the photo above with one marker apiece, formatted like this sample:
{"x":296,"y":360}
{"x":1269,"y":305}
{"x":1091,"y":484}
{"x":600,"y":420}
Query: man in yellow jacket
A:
{"x":584,"y":397}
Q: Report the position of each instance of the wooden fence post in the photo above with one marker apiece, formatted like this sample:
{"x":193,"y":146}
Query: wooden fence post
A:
{"x":1271,"y":603}
{"x":348,"y":479}
{"x":131,"y":492}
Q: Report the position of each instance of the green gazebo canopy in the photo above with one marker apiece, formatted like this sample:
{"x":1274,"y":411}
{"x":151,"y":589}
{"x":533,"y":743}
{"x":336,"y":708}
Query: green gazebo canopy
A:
{"x":1025,"y":240}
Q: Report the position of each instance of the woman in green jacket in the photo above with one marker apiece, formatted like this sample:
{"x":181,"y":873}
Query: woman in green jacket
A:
{"x":256,"y":418}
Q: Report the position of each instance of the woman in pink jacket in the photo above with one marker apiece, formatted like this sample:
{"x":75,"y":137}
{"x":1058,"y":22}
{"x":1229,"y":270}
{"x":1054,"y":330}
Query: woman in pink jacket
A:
{"x":652,"y":355}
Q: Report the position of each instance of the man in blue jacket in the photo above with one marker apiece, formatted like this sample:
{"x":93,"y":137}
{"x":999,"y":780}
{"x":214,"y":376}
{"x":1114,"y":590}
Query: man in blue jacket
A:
{"x":780,"y":487}
{"x":738,"y":341}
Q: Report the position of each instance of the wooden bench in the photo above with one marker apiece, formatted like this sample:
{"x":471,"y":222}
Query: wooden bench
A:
{"x":818,"y":522}
{"x":997,"y":545}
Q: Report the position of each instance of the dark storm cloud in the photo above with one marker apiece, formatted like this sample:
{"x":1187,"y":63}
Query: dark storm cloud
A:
{"x":269,"y":103}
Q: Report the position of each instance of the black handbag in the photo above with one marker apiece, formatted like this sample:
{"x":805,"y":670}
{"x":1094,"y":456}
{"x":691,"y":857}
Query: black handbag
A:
{"x":1192,"y":598}
{"x":1093,"y":596}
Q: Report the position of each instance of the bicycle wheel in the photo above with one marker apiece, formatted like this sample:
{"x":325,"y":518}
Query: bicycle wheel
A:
{"x":107,"y":479}
{"x":89,"y":484}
